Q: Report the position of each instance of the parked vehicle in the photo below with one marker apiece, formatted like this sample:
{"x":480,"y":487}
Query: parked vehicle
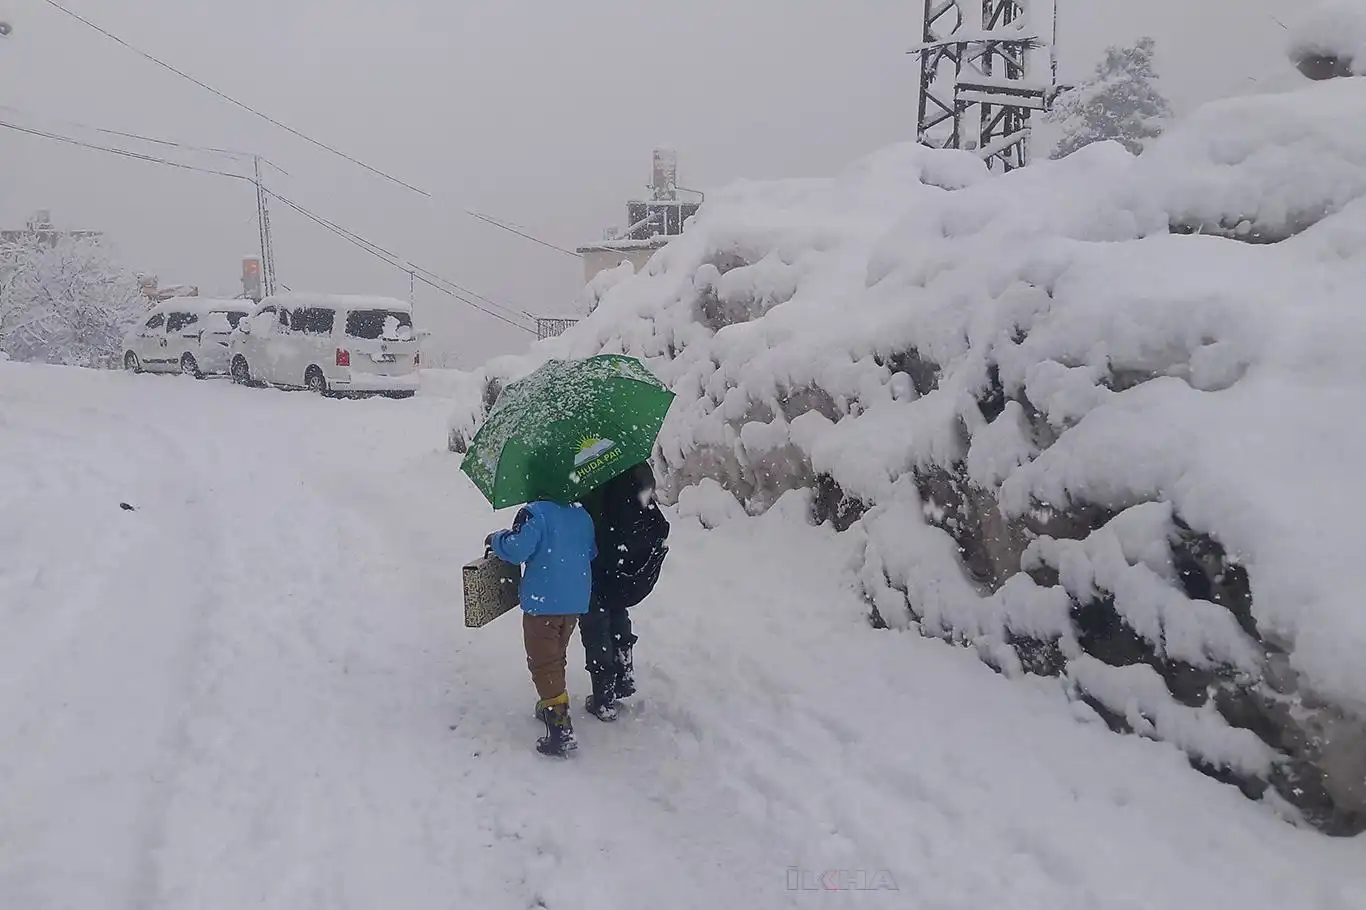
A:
{"x":333,"y":345}
{"x":184,"y":335}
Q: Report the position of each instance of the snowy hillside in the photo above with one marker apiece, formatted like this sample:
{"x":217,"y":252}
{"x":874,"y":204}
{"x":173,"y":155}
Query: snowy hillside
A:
{"x":1067,"y":426}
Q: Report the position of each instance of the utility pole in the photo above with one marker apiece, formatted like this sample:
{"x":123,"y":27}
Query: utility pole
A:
{"x":263,"y":227}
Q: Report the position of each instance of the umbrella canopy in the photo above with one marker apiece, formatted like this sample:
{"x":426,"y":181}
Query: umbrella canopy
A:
{"x":568,"y":427}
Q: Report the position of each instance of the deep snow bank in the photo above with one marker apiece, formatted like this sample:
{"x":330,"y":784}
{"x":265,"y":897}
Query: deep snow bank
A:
{"x":1070,"y":433}
{"x":1329,"y":39}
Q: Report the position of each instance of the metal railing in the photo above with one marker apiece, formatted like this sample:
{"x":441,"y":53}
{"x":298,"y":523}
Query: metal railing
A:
{"x":550,"y":327}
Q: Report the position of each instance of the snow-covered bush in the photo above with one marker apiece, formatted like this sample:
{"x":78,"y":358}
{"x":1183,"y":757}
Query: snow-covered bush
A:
{"x":602,"y":282}
{"x":1081,"y":442}
{"x":1261,"y":168}
{"x":65,"y":304}
{"x":1120,"y":103}
{"x":710,"y":503}
{"x":1329,"y":39}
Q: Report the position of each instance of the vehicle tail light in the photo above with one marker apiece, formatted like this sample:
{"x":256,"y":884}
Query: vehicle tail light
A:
{"x":343,"y":358}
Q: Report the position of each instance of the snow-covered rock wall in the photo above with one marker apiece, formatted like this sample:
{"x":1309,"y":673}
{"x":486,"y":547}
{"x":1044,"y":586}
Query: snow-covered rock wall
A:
{"x":1072,"y":430}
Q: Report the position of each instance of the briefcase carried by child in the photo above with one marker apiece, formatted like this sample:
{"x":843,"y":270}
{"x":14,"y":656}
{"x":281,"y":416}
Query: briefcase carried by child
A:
{"x":491,"y":589}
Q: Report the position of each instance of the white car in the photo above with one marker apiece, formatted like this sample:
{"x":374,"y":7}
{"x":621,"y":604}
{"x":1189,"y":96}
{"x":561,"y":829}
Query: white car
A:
{"x":184,"y":335}
{"x":333,"y":345}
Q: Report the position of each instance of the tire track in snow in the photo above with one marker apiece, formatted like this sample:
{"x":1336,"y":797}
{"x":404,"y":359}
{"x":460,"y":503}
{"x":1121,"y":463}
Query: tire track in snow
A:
{"x":773,"y":728}
{"x":647,"y":806}
{"x":326,"y":681}
{"x":117,"y":655}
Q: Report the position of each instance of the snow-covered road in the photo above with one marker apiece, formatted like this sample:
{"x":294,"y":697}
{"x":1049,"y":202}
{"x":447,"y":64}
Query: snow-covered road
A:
{"x":255,"y":691}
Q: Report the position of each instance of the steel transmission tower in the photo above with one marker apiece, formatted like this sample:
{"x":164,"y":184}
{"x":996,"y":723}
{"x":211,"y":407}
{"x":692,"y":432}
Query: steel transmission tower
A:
{"x":976,"y":88}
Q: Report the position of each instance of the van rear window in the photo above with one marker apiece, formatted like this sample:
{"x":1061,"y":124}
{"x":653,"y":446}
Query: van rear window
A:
{"x":374,"y":324}
{"x":313,"y":321}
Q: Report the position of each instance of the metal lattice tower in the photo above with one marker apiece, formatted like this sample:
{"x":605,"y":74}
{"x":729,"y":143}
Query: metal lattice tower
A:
{"x":975,"y":87}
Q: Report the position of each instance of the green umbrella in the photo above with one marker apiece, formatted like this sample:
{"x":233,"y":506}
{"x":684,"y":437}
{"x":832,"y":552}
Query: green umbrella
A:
{"x":568,"y":427}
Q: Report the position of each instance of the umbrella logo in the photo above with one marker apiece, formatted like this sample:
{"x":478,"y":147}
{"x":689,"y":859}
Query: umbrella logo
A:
{"x":590,"y":448}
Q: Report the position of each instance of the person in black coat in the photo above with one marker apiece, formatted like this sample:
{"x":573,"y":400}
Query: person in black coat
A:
{"x":632,"y":536}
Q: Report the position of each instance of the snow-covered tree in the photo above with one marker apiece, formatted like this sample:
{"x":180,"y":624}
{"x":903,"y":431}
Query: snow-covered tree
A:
{"x":1120,"y":102}
{"x":66,"y":304}
{"x":604,"y":281}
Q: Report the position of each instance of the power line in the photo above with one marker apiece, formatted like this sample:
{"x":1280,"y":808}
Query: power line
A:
{"x":455,"y":290}
{"x":170,"y":143}
{"x":426,"y":276}
{"x":231,"y":100}
{"x":460,"y":291}
{"x":295,"y":132}
{"x":511,"y":230}
{"x":464,"y":290}
{"x":138,"y":156}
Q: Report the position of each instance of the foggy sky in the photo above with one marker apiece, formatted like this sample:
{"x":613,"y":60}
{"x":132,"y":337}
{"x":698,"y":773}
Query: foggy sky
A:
{"x":542,"y":113}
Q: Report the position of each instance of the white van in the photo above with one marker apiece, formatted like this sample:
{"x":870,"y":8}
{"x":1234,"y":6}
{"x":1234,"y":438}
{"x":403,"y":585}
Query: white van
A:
{"x":330,"y":344}
{"x":184,"y":335}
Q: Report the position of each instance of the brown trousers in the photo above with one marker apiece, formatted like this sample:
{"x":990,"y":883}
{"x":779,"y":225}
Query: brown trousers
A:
{"x":547,"y":642}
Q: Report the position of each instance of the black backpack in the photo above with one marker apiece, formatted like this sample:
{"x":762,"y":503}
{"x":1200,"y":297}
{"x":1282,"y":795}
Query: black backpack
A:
{"x":632,"y":537}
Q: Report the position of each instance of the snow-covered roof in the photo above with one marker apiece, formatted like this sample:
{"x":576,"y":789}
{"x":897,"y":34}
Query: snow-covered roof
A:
{"x":202,"y":305}
{"x":294,"y":299}
{"x":623,"y":246}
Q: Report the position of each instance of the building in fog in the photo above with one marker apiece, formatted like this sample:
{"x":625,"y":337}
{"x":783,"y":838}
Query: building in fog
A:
{"x":651,"y":223}
{"x":40,"y":231}
{"x":150,"y":287}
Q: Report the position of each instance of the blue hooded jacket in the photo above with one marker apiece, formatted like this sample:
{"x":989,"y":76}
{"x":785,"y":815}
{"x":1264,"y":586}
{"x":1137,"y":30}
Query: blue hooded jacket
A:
{"x":556,"y":546}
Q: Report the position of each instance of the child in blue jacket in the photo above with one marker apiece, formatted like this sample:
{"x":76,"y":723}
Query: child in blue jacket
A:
{"x":555,"y":545}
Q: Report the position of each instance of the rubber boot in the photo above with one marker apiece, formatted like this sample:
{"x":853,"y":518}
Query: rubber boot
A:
{"x":625,"y":685}
{"x":602,"y":704}
{"x":559,"y":729}
{"x":543,"y":706}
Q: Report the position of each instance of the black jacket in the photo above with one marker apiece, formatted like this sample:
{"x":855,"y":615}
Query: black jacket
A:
{"x":631,"y":536}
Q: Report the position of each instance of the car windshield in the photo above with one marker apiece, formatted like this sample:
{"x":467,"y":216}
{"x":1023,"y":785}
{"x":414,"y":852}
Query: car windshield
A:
{"x":392,"y":325}
{"x":235,"y":317}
